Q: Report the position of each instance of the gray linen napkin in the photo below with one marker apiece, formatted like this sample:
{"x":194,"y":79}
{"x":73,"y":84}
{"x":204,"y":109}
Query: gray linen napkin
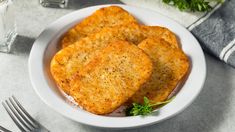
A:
{"x":216,"y":34}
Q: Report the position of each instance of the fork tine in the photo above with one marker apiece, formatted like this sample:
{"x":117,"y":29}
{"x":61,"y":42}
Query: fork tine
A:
{"x":20,"y":111}
{"x":4,"y":129}
{"x":18,"y":116}
{"x":23,"y":110}
{"x":13,"y":118}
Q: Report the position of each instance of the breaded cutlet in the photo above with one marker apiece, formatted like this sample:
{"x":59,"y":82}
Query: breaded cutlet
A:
{"x":170,"y":65}
{"x":111,"y":77}
{"x":104,"y":17}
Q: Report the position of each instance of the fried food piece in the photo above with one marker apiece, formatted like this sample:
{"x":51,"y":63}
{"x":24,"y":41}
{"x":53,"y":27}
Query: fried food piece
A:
{"x":104,"y":17}
{"x":170,"y":65}
{"x":74,"y":57}
{"x":111,"y":78}
{"x":160,"y":32}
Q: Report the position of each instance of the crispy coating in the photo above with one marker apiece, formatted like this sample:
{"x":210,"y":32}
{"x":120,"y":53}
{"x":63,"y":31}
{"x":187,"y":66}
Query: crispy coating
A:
{"x":170,"y":65}
{"x":104,"y":17}
{"x":111,"y":77}
{"x":71,"y":59}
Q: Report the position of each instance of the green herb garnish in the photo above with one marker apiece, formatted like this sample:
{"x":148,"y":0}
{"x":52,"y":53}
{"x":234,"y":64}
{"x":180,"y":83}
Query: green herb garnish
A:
{"x":145,"y":108}
{"x":191,"y":5}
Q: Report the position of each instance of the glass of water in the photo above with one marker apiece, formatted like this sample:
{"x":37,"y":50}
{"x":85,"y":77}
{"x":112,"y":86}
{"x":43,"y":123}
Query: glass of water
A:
{"x":7,"y":25}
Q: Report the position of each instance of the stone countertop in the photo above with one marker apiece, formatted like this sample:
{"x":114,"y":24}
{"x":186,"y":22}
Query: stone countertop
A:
{"x":212,"y":111}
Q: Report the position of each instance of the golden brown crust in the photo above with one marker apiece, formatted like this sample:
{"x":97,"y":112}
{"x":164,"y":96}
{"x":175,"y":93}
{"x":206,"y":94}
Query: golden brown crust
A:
{"x":170,"y":65}
{"x":105,"y":17}
{"x":160,"y":32}
{"x":63,"y":66}
{"x":112,"y":16}
{"x":111,"y":77}
{"x":72,"y":58}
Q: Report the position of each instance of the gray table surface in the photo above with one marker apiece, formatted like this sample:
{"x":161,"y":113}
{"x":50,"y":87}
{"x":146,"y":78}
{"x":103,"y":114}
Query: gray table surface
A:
{"x":212,"y":111}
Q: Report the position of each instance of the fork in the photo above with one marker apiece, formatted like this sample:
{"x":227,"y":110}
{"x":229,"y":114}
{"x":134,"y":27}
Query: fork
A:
{"x":2,"y":129}
{"x":24,"y":121}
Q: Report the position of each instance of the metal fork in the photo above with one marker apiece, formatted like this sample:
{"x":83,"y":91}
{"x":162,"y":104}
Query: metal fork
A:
{"x":21,"y":117}
{"x":2,"y":129}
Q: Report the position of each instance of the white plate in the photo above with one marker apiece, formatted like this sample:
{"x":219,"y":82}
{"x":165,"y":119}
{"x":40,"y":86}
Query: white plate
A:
{"x":46,"y":46}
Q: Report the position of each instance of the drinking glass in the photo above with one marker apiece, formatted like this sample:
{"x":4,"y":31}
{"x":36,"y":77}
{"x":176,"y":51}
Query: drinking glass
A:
{"x":7,"y":25}
{"x":54,"y":3}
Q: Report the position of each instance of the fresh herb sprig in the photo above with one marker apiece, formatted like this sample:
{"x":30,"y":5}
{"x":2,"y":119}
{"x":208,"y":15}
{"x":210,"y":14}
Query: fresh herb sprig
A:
{"x":191,"y":5}
{"x":145,"y":108}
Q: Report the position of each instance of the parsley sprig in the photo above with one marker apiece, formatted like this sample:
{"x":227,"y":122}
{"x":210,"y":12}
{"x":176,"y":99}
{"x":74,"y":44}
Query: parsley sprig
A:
{"x":191,"y":5}
{"x":145,"y":108}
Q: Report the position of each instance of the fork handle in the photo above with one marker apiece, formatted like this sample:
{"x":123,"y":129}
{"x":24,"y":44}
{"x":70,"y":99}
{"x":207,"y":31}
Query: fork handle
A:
{"x":2,"y":129}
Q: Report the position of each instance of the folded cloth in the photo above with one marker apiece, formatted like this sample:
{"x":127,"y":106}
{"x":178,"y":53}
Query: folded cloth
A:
{"x":215,"y":30}
{"x":217,"y":33}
